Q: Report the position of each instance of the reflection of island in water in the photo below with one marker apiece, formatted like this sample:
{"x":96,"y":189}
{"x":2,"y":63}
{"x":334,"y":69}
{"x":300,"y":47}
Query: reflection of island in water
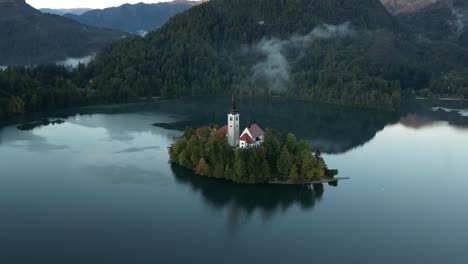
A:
{"x":43,"y":122}
{"x":243,"y":200}
{"x":328,"y":128}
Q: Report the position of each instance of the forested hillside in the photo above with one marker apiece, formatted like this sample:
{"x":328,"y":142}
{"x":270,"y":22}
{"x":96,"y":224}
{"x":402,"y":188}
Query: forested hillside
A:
{"x":344,"y":52}
{"x":335,"y":51}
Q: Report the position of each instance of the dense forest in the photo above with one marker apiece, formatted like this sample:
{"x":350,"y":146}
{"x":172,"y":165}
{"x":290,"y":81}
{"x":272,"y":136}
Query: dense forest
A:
{"x":219,"y":47}
{"x":453,"y":84}
{"x":50,"y":87}
{"x":340,"y":52}
{"x":280,"y":158}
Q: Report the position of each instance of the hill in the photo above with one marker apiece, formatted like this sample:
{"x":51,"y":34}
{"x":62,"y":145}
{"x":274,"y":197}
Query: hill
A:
{"x":29,"y":37}
{"x":136,"y":19}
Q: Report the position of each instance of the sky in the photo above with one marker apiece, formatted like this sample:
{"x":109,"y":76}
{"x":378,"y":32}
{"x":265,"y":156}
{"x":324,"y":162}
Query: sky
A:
{"x":85,"y":3}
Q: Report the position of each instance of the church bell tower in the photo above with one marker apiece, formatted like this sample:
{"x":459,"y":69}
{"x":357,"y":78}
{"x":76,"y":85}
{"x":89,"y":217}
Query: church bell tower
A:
{"x":233,"y":125}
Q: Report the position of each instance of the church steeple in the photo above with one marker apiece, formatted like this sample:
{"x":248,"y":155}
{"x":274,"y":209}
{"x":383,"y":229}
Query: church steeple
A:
{"x":233,"y":117}
{"x":233,"y":105}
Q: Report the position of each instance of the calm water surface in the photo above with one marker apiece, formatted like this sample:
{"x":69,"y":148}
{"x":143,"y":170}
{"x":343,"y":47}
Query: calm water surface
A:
{"x":99,"y":189}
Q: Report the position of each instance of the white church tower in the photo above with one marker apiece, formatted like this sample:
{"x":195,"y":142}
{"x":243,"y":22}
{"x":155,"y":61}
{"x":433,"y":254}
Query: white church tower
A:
{"x":233,"y":125}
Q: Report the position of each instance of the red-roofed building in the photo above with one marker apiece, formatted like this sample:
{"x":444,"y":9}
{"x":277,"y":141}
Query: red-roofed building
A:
{"x":223,"y":130}
{"x":247,"y":139}
{"x":252,"y":136}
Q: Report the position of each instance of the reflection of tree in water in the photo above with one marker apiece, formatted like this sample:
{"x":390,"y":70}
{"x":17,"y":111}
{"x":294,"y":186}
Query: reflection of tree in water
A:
{"x":241,"y":201}
{"x":421,"y":113}
{"x":329,"y":128}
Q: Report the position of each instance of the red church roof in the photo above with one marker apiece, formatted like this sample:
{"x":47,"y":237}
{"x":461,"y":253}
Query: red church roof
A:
{"x":223,"y":130}
{"x":247,"y":139}
{"x":255,"y":130}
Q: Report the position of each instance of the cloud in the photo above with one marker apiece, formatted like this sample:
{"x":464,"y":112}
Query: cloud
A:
{"x":275,"y":69}
{"x":127,"y":175}
{"x":134,"y":149}
{"x":459,"y":17}
{"x":74,"y":62}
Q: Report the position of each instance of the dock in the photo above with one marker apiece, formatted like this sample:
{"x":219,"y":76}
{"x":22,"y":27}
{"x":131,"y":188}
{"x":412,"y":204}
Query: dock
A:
{"x":321,"y":181}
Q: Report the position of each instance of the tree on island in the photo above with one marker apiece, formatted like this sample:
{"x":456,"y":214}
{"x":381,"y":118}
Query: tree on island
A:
{"x":281,"y":158}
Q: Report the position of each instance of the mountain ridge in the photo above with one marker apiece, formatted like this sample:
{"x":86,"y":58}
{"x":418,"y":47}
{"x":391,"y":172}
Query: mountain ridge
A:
{"x":63,"y":11}
{"x":133,"y":18}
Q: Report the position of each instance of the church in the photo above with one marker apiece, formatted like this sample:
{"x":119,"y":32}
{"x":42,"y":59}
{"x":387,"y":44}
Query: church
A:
{"x":252,"y":135}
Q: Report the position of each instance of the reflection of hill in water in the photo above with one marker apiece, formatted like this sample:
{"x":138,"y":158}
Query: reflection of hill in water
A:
{"x":332,"y":129}
{"x":424,"y":113}
{"x":329,"y":128}
{"x":246,"y":199}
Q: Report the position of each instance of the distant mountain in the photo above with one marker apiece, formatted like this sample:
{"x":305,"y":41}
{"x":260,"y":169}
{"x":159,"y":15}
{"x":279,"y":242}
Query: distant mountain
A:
{"x":63,"y":11}
{"x":137,"y":19}
{"x":28,"y":36}
{"x":52,"y":11}
{"x":404,"y":6}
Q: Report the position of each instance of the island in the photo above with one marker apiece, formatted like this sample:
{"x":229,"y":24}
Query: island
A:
{"x":252,"y":156}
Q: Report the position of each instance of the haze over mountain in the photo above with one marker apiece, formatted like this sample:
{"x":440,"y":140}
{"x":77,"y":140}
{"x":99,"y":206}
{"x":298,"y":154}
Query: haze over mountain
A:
{"x":63,"y":11}
{"x":403,"y":6}
{"x":28,"y":36}
{"x":136,"y":19}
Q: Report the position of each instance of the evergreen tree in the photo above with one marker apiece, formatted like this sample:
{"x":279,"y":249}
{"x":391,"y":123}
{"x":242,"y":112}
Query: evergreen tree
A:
{"x":293,"y":174}
{"x":203,"y":168}
{"x":308,"y":164}
{"x":240,"y":168}
{"x":265,"y":171}
{"x":284,"y":163}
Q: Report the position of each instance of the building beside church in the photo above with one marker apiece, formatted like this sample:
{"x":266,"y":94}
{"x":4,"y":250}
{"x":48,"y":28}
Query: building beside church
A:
{"x":252,"y":135}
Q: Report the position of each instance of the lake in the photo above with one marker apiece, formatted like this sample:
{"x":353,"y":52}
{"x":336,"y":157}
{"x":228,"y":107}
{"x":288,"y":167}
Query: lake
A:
{"x":99,"y":189}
